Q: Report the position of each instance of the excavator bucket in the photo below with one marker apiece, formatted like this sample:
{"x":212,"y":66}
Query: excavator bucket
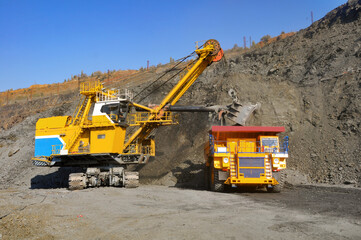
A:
{"x":236,"y":112}
{"x":240,"y":113}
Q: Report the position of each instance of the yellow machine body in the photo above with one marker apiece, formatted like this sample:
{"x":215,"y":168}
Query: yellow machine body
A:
{"x":245,"y":155}
{"x":108,"y":127}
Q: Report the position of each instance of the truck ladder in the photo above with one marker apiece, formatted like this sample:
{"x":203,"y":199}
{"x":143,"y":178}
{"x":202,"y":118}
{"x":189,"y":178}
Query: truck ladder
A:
{"x":233,"y":167}
{"x":268,"y":169}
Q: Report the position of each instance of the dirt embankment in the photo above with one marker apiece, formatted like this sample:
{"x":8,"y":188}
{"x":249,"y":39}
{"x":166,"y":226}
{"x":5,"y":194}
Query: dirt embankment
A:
{"x":309,"y":82}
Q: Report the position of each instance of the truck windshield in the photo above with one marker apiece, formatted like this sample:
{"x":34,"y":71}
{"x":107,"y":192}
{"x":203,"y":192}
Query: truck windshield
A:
{"x":270,"y":142}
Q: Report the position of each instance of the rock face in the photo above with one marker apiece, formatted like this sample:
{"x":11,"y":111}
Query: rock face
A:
{"x":309,"y":82}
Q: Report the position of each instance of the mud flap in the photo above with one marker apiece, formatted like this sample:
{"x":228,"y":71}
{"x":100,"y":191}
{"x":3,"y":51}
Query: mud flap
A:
{"x":223,"y":175}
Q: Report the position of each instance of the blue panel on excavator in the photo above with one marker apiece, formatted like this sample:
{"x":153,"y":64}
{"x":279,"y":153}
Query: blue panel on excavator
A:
{"x":43,"y":145}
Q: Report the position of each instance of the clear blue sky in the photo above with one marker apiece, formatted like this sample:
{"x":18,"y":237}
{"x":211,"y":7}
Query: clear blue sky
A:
{"x":48,"y":41}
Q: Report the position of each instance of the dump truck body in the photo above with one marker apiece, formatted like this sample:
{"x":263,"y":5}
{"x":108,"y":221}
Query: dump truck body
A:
{"x":245,"y":156}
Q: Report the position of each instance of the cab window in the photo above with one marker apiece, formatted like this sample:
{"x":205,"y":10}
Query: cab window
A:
{"x":270,"y":142}
{"x":116,"y":112}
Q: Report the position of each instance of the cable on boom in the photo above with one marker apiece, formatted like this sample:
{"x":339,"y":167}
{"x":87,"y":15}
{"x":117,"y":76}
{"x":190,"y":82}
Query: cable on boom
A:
{"x":179,"y":62}
{"x":165,"y":82}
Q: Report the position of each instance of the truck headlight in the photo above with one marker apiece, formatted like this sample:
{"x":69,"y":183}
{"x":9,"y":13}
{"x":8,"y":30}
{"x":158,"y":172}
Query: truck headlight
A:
{"x":276,"y":160}
{"x":225,"y":160}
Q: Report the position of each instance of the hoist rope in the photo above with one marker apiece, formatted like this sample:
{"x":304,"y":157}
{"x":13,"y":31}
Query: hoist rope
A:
{"x":179,"y":61}
{"x":165,"y":82}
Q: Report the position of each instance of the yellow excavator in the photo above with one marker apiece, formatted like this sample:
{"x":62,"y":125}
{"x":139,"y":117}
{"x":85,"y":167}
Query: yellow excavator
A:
{"x":109,"y":132}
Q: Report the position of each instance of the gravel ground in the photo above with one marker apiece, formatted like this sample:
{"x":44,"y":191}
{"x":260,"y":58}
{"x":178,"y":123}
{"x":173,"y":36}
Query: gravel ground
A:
{"x":159,"y":212}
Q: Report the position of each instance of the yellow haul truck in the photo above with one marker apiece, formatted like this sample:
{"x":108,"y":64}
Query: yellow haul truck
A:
{"x":245,"y":156}
{"x":109,"y":131}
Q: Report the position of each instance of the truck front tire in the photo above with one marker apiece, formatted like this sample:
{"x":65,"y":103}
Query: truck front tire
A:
{"x":277,"y":188}
{"x":216,"y":184}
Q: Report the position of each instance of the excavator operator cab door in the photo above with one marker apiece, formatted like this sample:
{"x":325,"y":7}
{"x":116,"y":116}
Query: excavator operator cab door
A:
{"x":113,"y":112}
{"x":123,"y":111}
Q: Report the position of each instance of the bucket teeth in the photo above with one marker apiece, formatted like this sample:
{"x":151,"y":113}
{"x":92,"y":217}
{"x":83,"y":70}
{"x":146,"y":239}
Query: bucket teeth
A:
{"x":239,"y":113}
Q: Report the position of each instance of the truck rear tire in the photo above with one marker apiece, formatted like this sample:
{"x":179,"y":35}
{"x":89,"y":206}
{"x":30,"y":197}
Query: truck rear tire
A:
{"x":277,"y":188}
{"x":216,"y":184}
{"x":207,"y":177}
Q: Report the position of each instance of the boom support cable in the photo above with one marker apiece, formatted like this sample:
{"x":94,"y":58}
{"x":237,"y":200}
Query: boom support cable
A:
{"x":179,"y":61}
{"x":165,"y":82}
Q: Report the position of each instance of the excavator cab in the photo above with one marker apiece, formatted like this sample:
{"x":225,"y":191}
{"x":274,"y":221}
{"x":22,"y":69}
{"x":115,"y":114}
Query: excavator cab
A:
{"x":112,"y":110}
{"x":117,"y":112}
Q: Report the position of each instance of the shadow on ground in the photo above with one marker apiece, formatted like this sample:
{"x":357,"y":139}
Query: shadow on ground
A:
{"x":190,"y":177}
{"x":193,"y":177}
{"x":58,"y":179}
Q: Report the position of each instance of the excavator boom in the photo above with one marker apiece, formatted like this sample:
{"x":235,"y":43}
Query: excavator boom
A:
{"x":109,"y":131}
{"x":206,"y":55}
